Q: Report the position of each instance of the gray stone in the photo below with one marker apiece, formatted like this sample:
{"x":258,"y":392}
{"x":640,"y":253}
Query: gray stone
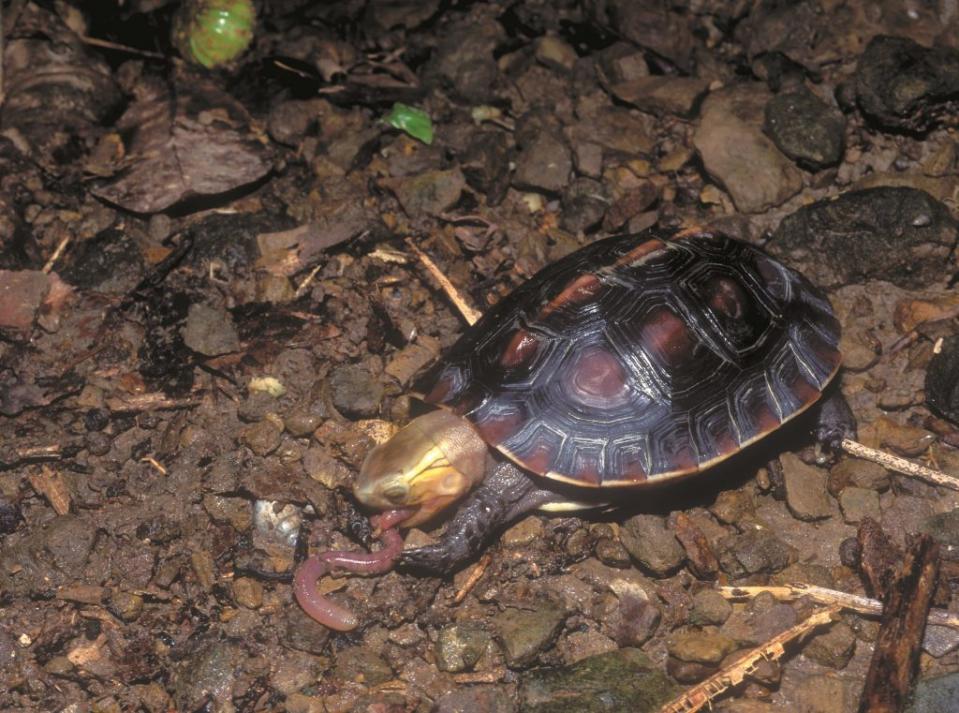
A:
{"x":805,"y":128}
{"x":709,"y":607}
{"x":935,"y":695}
{"x":362,"y":665}
{"x":806,"y":493}
{"x":489,"y":699}
{"x":623,"y":680}
{"x":859,"y":503}
{"x":210,"y":331}
{"x":355,"y":391}
{"x":737,"y":154}
{"x":485,"y":164}
{"x":430,"y":193}
{"x":544,"y":163}
{"x":832,"y":648}
{"x":652,"y":545}
{"x":760,"y":620}
{"x":524,"y":633}
{"x":901,"y":235}
{"x":754,"y":552}
{"x":460,"y":646}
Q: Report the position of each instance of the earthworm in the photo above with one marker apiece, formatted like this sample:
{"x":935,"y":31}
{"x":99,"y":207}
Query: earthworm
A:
{"x":310,"y":570}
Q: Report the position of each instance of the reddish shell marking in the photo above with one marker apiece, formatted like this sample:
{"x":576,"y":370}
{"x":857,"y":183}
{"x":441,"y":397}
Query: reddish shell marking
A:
{"x":521,"y":349}
{"x":667,"y":336}
{"x":597,"y":375}
{"x":586,"y":469}
{"x":498,"y":427}
{"x":803,"y":390}
{"x":583,"y":289}
{"x":727,"y":297}
{"x":766,"y":419}
{"x":539,"y":457}
{"x":641,"y":252}
{"x":632,"y":467}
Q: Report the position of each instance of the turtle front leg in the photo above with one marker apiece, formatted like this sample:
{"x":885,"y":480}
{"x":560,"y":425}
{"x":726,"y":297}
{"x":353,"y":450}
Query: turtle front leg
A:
{"x":834,"y":421}
{"x":505,"y":493}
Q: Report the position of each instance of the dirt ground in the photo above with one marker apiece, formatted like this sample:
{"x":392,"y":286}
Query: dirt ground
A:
{"x":210,"y":311}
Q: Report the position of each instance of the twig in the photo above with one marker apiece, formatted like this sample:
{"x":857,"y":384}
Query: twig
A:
{"x":58,"y":251}
{"x":703,"y":693}
{"x":459,"y":301}
{"x":106,"y":44}
{"x":906,"y":607}
{"x":479,"y":569}
{"x":900,"y":465}
{"x":822,"y":595}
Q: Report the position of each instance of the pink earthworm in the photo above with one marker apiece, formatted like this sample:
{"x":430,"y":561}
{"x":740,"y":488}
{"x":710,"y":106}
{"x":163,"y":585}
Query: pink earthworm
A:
{"x":311,"y":569}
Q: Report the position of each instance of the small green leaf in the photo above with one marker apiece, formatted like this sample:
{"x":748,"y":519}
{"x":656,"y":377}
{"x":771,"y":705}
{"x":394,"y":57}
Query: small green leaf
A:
{"x":413,"y":121}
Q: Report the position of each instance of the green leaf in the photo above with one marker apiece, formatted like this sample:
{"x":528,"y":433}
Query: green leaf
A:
{"x":413,"y":121}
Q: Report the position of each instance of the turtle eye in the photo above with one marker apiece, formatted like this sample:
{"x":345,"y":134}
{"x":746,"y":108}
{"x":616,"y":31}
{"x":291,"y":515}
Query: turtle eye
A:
{"x":396,"y":493}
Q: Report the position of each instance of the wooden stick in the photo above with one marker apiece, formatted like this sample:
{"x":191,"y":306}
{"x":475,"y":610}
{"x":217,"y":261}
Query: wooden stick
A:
{"x":905,"y":609}
{"x":459,"y":300}
{"x":823,"y":595}
{"x":900,"y":465}
{"x":703,"y":693}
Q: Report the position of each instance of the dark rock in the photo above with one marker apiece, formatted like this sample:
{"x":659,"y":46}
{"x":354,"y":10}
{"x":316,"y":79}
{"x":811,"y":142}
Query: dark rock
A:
{"x":805,"y":128}
{"x":635,"y":621}
{"x":262,"y":437}
{"x":464,"y":62}
{"x":363,"y":665}
{"x":902,"y":85}
{"x":753,"y":552}
{"x":460,"y":646}
{"x":945,"y":528}
{"x":709,"y":607}
{"x":544,"y":163}
{"x":485,"y":164}
{"x":689,"y":671}
{"x":935,"y":695}
{"x":210,"y":331}
{"x":524,"y":633}
{"x":759,"y":621}
{"x":617,"y":681}
{"x":652,"y":545}
{"x":622,"y":62}
{"x":652,"y":25}
{"x":584,"y":205}
{"x":832,"y":648}
{"x":942,"y":380}
{"x":902,"y":235}
{"x":355,"y":391}
{"x":430,"y":193}
{"x":489,"y":699}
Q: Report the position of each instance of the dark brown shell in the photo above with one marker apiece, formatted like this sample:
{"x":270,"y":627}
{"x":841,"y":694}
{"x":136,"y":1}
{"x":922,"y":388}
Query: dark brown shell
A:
{"x":640,"y":358}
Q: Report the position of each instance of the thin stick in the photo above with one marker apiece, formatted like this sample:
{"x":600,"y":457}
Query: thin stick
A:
{"x":822,"y":595}
{"x":704,"y":692}
{"x":479,"y":569}
{"x":900,"y":465}
{"x":58,"y":251}
{"x":459,"y":300}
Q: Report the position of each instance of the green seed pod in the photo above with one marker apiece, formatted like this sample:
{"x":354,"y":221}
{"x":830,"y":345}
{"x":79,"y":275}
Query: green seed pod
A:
{"x":214,"y":32}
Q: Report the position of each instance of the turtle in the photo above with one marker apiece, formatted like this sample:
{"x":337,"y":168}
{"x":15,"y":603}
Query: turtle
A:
{"x":636,"y":360}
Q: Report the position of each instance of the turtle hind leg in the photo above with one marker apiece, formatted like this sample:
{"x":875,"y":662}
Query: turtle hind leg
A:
{"x":834,"y":421}
{"x":506,"y":493}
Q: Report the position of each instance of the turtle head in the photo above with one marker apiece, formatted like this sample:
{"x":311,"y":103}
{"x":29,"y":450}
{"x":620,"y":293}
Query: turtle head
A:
{"x":429,"y":464}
